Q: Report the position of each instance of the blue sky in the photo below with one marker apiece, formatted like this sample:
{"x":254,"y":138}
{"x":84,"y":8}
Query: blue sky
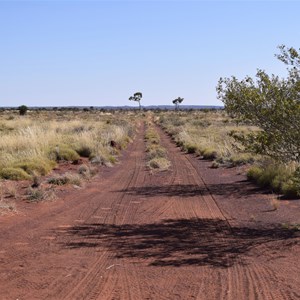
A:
{"x":57,"y":53}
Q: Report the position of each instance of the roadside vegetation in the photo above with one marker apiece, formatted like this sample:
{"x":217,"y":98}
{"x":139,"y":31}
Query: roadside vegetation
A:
{"x":34,"y":144}
{"x":156,"y":154}
{"x":209,"y":134}
{"x":215,"y":136}
{"x":272,"y":104}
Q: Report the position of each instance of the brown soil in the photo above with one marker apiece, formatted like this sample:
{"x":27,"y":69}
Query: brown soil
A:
{"x":188,"y":233}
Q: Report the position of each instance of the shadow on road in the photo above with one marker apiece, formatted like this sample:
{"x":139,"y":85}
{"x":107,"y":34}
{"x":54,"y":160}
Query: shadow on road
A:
{"x":240,"y":188}
{"x":179,"y":242}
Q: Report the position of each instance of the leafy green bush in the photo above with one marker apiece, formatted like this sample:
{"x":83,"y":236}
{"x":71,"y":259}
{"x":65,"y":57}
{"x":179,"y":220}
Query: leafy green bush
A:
{"x":291,"y":188}
{"x":14,"y":174}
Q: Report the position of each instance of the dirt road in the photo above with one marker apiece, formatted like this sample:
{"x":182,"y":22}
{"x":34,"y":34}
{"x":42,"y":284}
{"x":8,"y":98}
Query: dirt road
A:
{"x":187,"y":233}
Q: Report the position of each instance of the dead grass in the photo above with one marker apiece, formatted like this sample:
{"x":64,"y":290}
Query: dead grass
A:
{"x":35,"y":142}
{"x":156,"y":155}
{"x":40,"y":194}
{"x":208,"y":134}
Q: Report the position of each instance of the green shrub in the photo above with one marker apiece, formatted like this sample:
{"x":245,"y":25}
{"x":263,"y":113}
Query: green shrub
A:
{"x":268,"y":175}
{"x":68,"y":154}
{"x":281,"y":178}
{"x":14,"y":174}
{"x":254,"y":173}
{"x":290,"y":190}
{"x":40,"y":166}
{"x":64,"y":152}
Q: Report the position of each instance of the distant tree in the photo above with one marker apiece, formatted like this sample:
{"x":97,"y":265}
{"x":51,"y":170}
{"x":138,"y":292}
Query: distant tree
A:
{"x":137,"y":97}
{"x":177,"y":101}
{"x":22,"y":110}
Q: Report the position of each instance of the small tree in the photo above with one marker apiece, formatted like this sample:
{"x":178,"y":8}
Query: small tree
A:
{"x":177,"y":101}
{"x":22,"y":110}
{"x":271,"y":103}
{"x":137,"y":97}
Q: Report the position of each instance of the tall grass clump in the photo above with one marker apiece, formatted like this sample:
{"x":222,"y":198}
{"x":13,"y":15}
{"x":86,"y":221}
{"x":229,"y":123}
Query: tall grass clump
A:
{"x":281,"y":178}
{"x":38,"y":141}
{"x":156,"y":155}
{"x":207,"y":134}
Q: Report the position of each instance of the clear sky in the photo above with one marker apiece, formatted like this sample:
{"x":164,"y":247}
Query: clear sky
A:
{"x":96,"y":53}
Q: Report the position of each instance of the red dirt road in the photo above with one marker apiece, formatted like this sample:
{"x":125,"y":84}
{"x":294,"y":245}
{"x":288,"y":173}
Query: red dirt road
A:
{"x":188,"y":233}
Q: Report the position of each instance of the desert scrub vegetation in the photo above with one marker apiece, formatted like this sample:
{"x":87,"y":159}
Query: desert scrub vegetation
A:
{"x":282,"y":178}
{"x":36,"y":142}
{"x":271,"y":103}
{"x":40,"y":194}
{"x":217,"y":136}
{"x":209,"y":134}
{"x":156,"y":155}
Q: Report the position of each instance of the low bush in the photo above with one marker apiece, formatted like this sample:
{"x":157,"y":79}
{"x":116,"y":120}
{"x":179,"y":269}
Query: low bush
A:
{"x":40,"y":166}
{"x":63,"y":152}
{"x":280,"y":178}
{"x":254,"y":173}
{"x":14,"y":174}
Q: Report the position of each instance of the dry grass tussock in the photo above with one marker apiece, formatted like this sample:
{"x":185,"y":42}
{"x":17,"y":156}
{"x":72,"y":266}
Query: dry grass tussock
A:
{"x":156,"y":155}
{"x":35,"y":142}
{"x":208,"y":134}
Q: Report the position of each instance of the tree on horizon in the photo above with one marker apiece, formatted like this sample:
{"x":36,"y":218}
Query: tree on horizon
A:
{"x":177,"y":101}
{"x":137,"y":97}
